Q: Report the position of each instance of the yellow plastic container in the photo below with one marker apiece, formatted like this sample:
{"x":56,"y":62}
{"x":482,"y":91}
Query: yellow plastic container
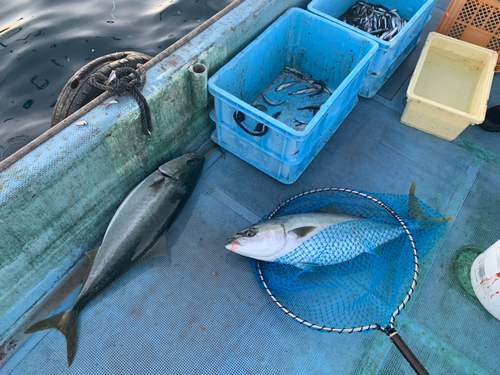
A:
{"x":450,"y":86}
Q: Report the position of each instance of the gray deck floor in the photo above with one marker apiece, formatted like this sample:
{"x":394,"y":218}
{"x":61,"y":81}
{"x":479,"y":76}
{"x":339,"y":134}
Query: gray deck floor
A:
{"x":200,"y":310}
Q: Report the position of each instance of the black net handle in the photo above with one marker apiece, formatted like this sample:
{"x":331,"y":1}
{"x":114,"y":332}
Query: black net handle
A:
{"x":389,"y":330}
{"x":407,"y":353}
{"x":239,"y":117}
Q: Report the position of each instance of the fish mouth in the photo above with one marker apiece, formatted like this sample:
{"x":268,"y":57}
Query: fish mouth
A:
{"x":232,"y":244}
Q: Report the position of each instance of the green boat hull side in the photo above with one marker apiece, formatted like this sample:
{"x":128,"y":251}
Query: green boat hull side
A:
{"x":51,"y":215}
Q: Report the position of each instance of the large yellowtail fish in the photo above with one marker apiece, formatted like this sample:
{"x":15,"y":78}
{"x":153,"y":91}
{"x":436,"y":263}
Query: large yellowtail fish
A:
{"x":147,"y":212}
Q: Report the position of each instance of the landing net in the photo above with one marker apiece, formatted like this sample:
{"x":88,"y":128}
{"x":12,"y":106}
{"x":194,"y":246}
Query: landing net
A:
{"x":364,"y":272}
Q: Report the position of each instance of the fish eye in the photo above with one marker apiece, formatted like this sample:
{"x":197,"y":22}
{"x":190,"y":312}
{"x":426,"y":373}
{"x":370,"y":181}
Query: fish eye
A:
{"x":250,"y":233}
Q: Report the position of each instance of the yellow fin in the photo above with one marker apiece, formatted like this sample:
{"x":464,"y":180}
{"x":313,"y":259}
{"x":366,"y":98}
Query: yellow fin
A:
{"x":412,"y":189}
{"x":415,"y":211}
{"x":91,"y":254}
{"x":66,"y":323}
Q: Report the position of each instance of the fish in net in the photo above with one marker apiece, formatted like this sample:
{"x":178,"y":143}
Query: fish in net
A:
{"x":352,"y":276}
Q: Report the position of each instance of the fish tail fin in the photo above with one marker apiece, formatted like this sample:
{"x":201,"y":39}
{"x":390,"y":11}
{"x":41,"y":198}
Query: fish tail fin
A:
{"x":416,"y":212}
{"x":66,"y":323}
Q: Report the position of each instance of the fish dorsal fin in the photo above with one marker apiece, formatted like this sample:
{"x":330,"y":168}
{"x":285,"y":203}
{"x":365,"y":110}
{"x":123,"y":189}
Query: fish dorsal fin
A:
{"x":331,"y":209}
{"x":159,"y":249}
{"x":414,"y":209}
{"x":412,"y":189}
{"x":302,"y":231}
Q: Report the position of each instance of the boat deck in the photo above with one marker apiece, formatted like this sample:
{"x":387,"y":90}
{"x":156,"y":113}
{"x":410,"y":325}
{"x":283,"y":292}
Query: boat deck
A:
{"x":200,"y":310}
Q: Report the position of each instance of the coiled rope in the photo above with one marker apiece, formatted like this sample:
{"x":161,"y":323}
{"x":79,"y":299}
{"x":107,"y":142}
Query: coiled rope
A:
{"x":127,"y":81}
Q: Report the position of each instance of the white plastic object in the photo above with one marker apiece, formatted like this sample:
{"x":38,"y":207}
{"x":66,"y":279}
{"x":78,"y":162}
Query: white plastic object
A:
{"x":485,"y":278}
{"x":450,"y":86}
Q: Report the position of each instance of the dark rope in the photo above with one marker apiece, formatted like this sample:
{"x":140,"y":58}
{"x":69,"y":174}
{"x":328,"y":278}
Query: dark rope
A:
{"x":239,"y":117}
{"x":127,"y":81}
{"x":94,"y":64}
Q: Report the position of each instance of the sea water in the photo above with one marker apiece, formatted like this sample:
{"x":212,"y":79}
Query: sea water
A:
{"x":43,"y":43}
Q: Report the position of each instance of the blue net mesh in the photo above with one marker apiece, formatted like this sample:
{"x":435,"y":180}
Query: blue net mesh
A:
{"x":357,"y":273}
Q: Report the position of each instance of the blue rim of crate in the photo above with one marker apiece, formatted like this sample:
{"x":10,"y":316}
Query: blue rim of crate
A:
{"x":391,"y":43}
{"x":247,"y":108}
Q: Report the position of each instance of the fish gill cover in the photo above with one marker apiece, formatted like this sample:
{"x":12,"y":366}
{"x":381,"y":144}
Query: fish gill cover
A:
{"x":367,"y":289}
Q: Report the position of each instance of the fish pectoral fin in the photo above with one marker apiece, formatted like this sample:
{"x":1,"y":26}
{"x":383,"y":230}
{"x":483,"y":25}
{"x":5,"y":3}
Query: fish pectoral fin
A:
{"x":159,"y":249}
{"x":170,"y":172}
{"x":302,"y":231}
{"x":92,"y":254}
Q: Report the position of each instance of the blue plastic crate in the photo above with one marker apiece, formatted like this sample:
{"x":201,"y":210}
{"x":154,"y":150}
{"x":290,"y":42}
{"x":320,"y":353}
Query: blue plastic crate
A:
{"x":316,"y":47}
{"x":274,"y":166}
{"x":387,"y":58}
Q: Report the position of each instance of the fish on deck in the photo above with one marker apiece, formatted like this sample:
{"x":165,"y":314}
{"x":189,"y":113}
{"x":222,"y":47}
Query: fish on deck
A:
{"x":147,"y":212}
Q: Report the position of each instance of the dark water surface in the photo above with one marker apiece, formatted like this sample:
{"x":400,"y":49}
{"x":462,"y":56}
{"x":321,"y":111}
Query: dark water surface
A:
{"x":43,"y":43}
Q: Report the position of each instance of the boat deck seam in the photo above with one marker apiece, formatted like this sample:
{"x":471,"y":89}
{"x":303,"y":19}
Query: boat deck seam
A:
{"x":232,"y":204}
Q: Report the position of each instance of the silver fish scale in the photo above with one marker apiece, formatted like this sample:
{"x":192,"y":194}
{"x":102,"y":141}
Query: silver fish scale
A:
{"x":352,"y":238}
{"x":376,"y":20}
